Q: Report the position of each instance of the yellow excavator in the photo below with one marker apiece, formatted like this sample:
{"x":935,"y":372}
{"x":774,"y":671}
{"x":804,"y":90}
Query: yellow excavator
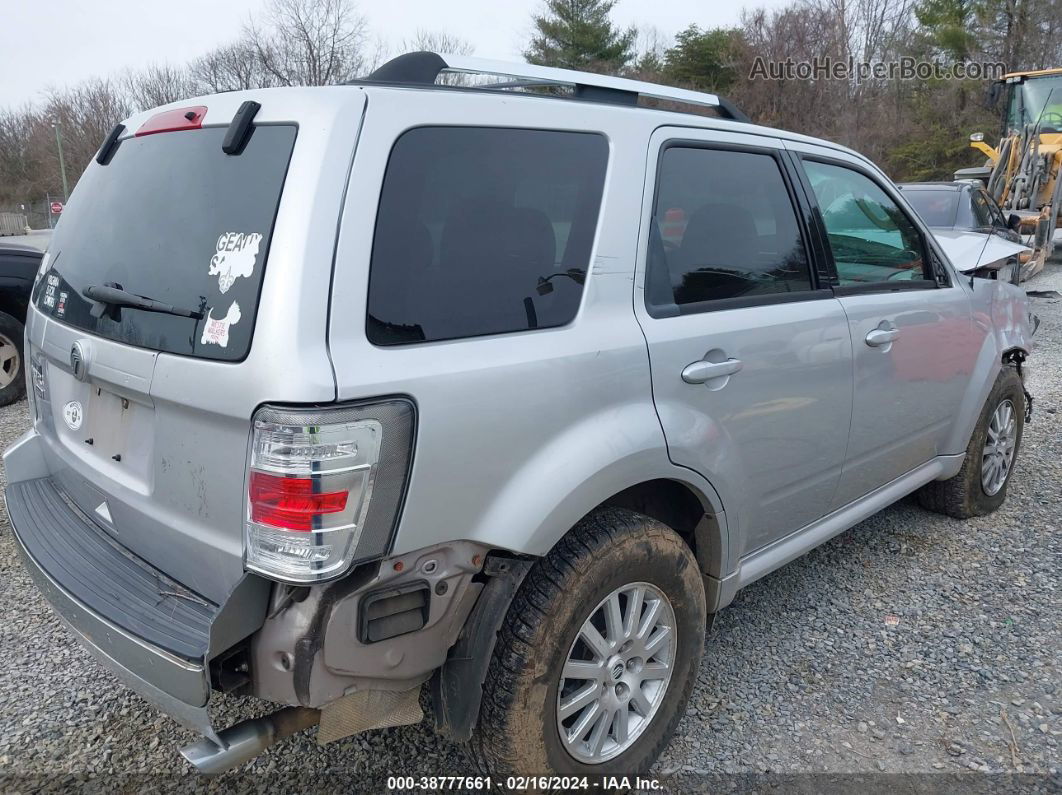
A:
{"x":1022,"y":173}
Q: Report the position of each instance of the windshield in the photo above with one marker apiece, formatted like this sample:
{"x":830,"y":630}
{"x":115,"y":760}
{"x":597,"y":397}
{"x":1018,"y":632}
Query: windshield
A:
{"x":174,"y":219}
{"x":1036,"y":99}
{"x":938,"y":208}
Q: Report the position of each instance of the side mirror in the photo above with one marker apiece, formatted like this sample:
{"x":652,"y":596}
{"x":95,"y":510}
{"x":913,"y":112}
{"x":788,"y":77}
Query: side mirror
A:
{"x":1013,"y":221}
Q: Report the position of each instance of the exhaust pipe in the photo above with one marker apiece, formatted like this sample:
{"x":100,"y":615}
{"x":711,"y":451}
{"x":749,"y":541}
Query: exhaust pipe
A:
{"x":244,"y":741}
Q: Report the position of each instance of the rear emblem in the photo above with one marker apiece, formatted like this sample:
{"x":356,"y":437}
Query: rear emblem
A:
{"x":73,"y":415}
{"x":79,"y":361}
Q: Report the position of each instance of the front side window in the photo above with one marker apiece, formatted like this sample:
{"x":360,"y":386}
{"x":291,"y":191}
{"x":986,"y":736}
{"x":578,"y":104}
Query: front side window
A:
{"x":870,"y":237}
{"x":724,"y":227}
{"x":483,"y":231}
{"x":981,"y":209}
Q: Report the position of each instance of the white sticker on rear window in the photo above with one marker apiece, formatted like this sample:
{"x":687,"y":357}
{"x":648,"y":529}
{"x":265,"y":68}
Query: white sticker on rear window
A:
{"x":235,"y":257}
{"x":216,"y":330}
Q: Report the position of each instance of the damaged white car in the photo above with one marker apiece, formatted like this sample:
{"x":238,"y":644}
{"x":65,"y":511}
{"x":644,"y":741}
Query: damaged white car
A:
{"x":986,"y":255}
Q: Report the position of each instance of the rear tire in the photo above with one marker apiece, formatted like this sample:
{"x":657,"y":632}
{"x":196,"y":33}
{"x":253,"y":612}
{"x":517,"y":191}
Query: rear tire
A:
{"x":12,"y":360}
{"x":980,"y":487}
{"x":648,"y":571}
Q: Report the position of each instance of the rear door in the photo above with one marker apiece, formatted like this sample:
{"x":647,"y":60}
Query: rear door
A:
{"x":913,"y":338}
{"x":750,"y":354}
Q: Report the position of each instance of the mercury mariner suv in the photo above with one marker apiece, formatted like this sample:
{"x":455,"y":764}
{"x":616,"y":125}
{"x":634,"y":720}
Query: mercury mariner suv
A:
{"x":498,"y":386}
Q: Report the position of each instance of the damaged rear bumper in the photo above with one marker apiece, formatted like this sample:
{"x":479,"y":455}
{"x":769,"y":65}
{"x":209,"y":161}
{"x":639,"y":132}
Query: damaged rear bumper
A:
{"x":156,"y":636}
{"x":179,"y":687}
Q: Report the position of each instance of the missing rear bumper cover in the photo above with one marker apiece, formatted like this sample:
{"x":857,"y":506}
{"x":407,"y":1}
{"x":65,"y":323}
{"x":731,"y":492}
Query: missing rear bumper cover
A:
{"x":394,"y":611}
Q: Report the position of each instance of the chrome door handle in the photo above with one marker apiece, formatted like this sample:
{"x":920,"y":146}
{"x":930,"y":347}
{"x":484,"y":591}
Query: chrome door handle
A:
{"x":701,"y":371}
{"x":881,"y":336}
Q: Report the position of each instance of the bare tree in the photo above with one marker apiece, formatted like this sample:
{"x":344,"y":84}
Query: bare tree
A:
{"x":437,"y":41}
{"x":649,"y":48}
{"x":232,"y":67}
{"x":158,"y":85}
{"x":29,"y":159}
{"x":309,"y":42}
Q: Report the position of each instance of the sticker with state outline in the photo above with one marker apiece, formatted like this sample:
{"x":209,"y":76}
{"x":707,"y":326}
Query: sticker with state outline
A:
{"x":216,"y":329}
{"x":236,"y":254}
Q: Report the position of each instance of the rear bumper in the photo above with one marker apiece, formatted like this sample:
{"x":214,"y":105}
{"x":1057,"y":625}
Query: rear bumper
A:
{"x":179,"y":688}
{"x":150,"y":632}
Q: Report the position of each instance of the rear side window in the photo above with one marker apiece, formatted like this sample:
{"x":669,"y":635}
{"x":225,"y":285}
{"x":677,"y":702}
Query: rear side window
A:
{"x":938,"y":208}
{"x":724,"y":227}
{"x":174,"y":219}
{"x":483,"y":231}
{"x":870,"y":237}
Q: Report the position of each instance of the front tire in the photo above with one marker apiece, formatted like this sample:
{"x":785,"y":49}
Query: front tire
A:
{"x":980,"y":487}
{"x":598,"y":653}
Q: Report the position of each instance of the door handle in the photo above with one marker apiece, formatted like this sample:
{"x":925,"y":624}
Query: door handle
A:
{"x":701,"y":371}
{"x":881,"y":336}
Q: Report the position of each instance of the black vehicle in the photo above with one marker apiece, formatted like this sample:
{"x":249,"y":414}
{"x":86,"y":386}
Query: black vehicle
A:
{"x":18,"y":267}
{"x":964,"y":205}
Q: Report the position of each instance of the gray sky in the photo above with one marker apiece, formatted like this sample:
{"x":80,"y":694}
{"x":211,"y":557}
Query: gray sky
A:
{"x":52,"y":43}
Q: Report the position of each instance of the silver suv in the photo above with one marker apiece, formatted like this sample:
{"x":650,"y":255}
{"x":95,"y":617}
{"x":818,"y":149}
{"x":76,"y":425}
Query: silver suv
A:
{"x":341,"y":394}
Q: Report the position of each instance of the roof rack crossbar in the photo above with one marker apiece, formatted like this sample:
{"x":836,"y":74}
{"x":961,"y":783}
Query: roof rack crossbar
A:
{"x":424,"y":68}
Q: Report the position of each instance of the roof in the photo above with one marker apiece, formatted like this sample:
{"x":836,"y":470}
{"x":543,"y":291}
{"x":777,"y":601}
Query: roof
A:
{"x":326,"y":106}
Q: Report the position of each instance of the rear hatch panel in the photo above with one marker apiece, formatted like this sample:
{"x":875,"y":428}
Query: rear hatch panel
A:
{"x":145,"y":421}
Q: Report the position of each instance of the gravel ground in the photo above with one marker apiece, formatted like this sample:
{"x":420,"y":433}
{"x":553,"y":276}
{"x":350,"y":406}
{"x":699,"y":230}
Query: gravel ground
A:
{"x":910,"y":644}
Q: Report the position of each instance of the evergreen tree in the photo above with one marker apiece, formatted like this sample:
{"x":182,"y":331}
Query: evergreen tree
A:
{"x":704,"y":59}
{"x":949,"y":26}
{"x":578,"y":34}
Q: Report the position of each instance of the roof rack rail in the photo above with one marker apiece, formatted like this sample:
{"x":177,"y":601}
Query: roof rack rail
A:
{"x":424,"y":68}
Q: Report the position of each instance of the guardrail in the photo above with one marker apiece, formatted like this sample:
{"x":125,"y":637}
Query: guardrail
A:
{"x":13,"y":224}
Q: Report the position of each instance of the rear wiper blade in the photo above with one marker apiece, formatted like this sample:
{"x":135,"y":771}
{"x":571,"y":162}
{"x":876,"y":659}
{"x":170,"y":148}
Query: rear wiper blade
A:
{"x":108,"y":297}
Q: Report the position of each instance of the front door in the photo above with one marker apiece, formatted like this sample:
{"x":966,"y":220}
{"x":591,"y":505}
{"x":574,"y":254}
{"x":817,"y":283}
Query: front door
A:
{"x":751,"y":359}
{"x":913,"y":337}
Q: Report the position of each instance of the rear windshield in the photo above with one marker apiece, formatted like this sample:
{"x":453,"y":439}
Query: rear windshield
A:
{"x":174,"y":219}
{"x":937,"y":207}
{"x":483,"y":231}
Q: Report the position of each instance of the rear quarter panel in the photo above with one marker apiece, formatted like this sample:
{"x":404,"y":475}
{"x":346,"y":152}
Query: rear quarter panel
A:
{"x":518,"y":435}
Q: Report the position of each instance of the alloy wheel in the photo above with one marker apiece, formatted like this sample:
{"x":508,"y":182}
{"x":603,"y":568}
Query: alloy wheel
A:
{"x":616,"y":673}
{"x":998,"y":454}
{"x":9,"y":361}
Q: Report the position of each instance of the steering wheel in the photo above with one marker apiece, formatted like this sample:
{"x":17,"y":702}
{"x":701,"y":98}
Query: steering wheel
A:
{"x":1052,"y":119}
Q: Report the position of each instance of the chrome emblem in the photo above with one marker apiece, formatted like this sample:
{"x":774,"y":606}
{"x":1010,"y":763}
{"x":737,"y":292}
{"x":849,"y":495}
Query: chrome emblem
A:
{"x":79,"y":361}
{"x":73,"y":414}
{"x":617,"y":671}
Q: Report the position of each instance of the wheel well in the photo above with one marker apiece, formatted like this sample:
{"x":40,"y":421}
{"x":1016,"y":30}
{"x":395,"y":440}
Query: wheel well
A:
{"x":1014,"y":356}
{"x":14,"y":303}
{"x":682,"y":509}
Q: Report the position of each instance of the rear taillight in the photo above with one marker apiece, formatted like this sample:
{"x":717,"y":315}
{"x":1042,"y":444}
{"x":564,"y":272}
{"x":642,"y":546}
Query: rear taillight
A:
{"x":291,"y":502}
{"x":324,"y":487}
